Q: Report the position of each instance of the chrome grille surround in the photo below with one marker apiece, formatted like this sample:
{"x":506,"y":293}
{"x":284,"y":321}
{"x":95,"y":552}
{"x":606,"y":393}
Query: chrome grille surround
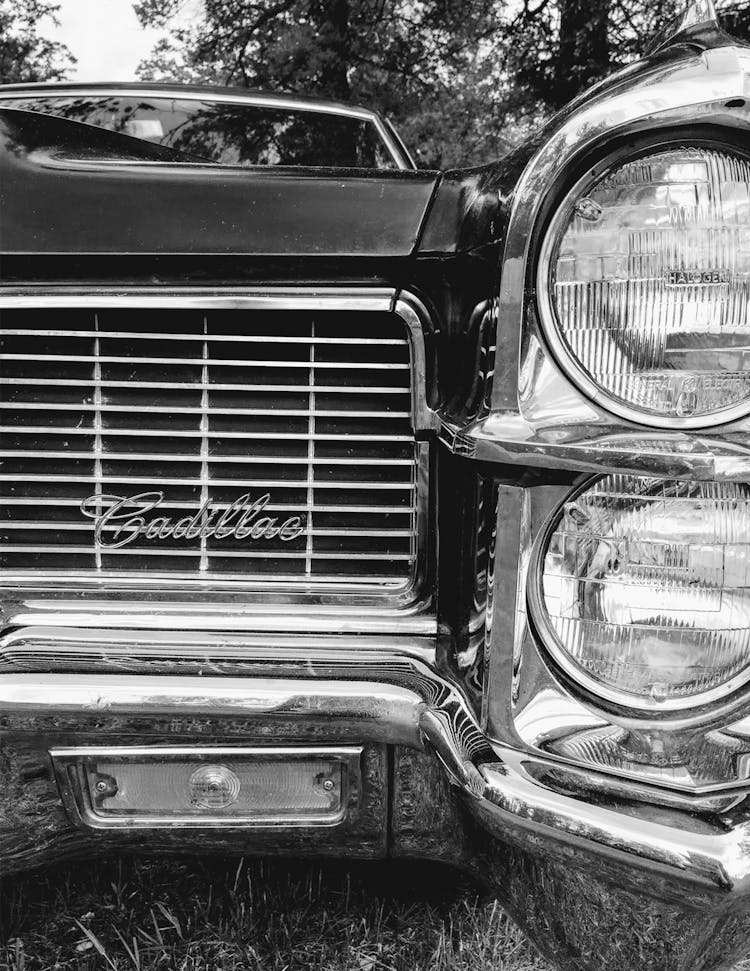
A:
{"x":356,"y":441}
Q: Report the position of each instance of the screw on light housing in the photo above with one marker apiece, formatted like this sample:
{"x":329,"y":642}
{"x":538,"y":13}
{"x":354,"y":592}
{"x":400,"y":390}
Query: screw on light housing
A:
{"x":588,"y":209}
{"x":104,"y":786}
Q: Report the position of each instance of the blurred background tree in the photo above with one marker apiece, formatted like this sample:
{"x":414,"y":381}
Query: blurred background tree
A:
{"x":428,"y":64}
{"x":464,"y":80}
{"x":24,"y":54}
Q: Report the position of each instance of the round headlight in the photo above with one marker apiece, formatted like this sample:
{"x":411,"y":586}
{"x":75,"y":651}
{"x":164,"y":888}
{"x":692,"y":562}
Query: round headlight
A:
{"x":644,"y":287}
{"x":641,"y":591}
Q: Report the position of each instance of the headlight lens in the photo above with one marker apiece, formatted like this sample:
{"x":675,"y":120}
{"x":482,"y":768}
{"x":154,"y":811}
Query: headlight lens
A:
{"x":645,"y":285}
{"x":643,"y":590}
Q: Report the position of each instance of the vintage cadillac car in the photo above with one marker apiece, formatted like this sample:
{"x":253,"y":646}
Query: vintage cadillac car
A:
{"x":355,"y":510}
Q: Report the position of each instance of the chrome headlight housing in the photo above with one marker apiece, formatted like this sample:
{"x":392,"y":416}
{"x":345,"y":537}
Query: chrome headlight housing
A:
{"x":644,"y":286}
{"x":640,"y":591}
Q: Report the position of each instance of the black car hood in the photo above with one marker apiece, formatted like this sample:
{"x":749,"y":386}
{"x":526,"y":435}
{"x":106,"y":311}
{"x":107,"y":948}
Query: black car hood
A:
{"x":70,"y":188}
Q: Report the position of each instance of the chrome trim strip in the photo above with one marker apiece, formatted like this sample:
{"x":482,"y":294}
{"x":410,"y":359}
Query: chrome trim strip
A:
{"x":182,"y":94}
{"x":197,"y":298}
{"x":417,"y":319}
{"x":350,"y":707}
{"x":264,"y":591}
{"x":266,"y":753}
{"x":511,"y":440}
{"x":358,"y":645}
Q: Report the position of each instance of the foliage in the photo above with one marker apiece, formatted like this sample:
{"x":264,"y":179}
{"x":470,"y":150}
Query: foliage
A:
{"x":735,"y":17}
{"x":462,"y":80}
{"x":24,"y":54}
{"x":557,"y":50}
{"x":428,"y":64}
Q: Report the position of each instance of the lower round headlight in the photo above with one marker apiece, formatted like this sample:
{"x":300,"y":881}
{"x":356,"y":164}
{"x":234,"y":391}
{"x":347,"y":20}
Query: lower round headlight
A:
{"x":641,"y":591}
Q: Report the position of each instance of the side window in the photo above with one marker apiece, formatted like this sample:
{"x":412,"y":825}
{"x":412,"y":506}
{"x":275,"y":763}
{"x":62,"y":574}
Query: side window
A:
{"x":229,"y":134}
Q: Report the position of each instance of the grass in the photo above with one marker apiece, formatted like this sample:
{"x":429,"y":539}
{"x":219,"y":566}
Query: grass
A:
{"x":219,"y":915}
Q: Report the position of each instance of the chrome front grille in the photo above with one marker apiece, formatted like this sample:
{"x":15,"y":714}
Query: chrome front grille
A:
{"x":247,"y":444}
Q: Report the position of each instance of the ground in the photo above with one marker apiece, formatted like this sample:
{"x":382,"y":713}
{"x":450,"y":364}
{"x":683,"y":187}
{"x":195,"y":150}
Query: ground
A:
{"x":221,"y":915}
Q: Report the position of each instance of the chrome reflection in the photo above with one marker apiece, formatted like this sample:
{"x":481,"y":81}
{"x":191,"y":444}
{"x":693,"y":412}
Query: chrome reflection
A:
{"x":672,"y":851}
{"x":687,"y":758}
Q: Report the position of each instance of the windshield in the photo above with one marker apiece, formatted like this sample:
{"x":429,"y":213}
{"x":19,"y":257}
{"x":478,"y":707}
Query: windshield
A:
{"x":228,"y":133}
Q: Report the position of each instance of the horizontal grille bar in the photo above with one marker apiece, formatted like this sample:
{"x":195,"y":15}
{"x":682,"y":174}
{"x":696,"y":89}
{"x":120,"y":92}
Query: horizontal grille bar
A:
{"x":263,"y":483}
{"x":177,"y":410}
{"x":198,"y":362}
{"x":192,"y":386}
{"x":221,"y":459}
{"x":254,"y":444}
{"x":183,"y":433}
{"x":178,"y":575}
{"x":291,"y":507}
{"x":233,"y":338}
{"x":48,"y":549}
{"x":61,"y":525}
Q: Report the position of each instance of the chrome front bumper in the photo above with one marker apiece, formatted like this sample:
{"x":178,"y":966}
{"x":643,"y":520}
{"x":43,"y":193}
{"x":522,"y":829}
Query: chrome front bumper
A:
{"x":630,"y":886}
{"x":693,"y":860}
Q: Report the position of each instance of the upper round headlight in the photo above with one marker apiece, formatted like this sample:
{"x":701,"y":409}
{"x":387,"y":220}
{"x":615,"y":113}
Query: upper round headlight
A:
{"x":641,"y":591}
{"x":644,"y":287}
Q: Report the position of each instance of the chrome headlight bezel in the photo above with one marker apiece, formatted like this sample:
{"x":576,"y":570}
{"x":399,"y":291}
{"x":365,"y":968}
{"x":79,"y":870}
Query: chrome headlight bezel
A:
{"x":573,"y":676}
{"x":551,"y":329}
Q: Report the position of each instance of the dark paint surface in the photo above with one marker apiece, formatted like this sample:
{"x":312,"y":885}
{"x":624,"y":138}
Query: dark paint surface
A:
{"x":72,"y":188}
{"x":52,"y":204}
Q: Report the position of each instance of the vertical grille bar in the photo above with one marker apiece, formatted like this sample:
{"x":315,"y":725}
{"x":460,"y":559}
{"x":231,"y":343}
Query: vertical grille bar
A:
{"x":310,"y":455}
{"x":97,"y":432}
{"x":205,"y":410}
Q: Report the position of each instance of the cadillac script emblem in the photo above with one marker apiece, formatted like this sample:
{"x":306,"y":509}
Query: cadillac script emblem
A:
{"x":119,"y":520}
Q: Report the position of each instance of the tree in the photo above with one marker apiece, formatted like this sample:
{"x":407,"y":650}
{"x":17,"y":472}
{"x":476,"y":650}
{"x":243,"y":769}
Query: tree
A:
{"x":556,"y":50}
{"x":428,"y":65}
{"x":463,"y":80}
{"x":735,"y":18}
{"x":24,"y":54}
